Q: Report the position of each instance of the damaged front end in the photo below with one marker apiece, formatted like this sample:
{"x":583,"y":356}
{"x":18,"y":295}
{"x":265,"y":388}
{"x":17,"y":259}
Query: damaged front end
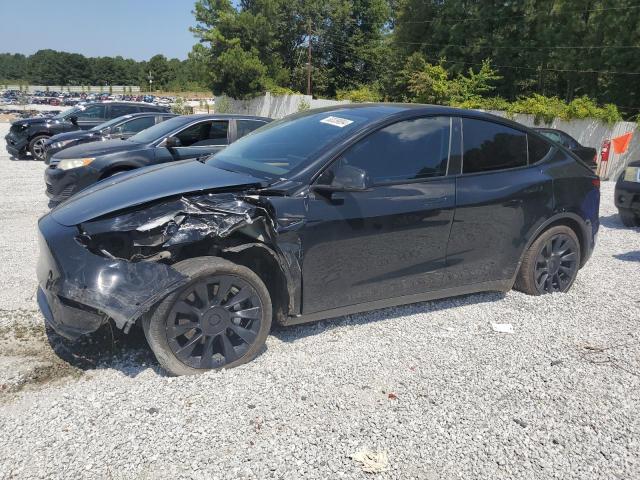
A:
{"x":119,"y":266}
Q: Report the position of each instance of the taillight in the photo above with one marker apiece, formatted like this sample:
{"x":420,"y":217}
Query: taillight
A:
{"x":604,"y":150}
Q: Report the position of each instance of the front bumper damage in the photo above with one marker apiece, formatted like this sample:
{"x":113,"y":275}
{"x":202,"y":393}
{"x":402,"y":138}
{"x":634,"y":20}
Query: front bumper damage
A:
{"x":119,"y":267}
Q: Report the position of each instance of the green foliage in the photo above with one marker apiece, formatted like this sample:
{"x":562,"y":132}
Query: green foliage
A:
{"x":223,"y":105}
{"x":50,"y":67}
{"x":359,"y":95}
{"x":180,"y":107}
{"x":303,"y":105}
{"x":427,"y":83}
{"x":546,"y":109}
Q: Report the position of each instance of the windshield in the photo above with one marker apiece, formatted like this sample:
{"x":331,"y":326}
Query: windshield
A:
{"x":279,"y":147}
{"x":159,"y":130}
{"x":66,"y":113}
{"x":108,"y":124}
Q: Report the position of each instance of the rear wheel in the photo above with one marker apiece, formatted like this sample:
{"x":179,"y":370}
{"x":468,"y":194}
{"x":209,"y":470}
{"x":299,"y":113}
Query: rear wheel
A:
{"x":551,"y":263}
{"x":629,"y":219}
{"x":220,"y":319}
{"x":36,"y":147}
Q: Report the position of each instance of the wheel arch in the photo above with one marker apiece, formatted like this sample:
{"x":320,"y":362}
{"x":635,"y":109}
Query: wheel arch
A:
{"x":569,"y":219}
{"x":117,"y":168}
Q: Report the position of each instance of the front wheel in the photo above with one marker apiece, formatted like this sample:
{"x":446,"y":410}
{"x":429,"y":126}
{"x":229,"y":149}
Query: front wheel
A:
{"x":220,"y":319}
{"x":36,"y":147}
{"x":551,"y":263}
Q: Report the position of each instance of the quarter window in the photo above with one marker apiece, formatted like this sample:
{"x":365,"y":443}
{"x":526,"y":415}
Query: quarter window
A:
{"x":538,"y":148}
{"x":490,"y":146}
{"x":205,"y":134}
{"x":407,"y":150}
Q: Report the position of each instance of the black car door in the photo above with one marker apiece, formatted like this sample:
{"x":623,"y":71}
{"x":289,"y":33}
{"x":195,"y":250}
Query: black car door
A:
{"x":200,"y":138}
{"x":391,"y":239}
{"x":501,"y":198}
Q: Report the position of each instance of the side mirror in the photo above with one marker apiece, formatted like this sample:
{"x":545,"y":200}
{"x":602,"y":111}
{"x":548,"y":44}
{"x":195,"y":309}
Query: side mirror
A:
{"x":73,"y":119}
{"x":346,"y":179}
{"x":172,"y":142}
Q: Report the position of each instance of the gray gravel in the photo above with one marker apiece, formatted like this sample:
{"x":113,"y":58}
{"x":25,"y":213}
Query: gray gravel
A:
{"x":431,"y":385}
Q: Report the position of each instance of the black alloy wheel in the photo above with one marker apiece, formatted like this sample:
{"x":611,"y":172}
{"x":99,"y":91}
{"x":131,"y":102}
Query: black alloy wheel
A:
{"x":215,"y":321}
{"x":37,"y":148}
{"x":551,"y":263}
{"x":556,"y":264}
{"x":220,"y":319}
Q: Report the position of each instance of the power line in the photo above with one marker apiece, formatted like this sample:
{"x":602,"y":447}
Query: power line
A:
{"x":517,"y":47}
{"x":549,"y":14}
{"x":332,"y":44}
{"x":565,"y":70}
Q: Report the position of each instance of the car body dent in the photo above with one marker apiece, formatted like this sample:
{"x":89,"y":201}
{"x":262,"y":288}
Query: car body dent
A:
{"x":123,"y":286}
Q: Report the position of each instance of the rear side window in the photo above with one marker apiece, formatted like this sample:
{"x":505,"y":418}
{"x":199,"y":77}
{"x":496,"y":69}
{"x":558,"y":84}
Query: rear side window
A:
{"x":119,"y":110}
{"x":407,"y":150}
{"x":538,"y":148}
{"x":205,"y":134}
{"x":137,"y":124}
{"x":244,"y":127}
{"x":490,"y":146}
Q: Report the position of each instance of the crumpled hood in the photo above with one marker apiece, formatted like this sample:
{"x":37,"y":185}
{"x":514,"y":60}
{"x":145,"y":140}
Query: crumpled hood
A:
{"x":31,"y":121}
{"x":97,"y":149}
{"x":146,"y":185}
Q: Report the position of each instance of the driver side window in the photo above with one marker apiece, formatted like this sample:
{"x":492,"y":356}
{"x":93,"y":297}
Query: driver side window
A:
{"x":204,"y":134}
{"x":91,"y":112}
{"x":404,"y":151}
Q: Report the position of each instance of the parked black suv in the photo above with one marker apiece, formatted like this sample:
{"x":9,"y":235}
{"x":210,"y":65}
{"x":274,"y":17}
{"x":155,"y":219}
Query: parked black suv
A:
{"x":320,"y":214}
{"x":119,"y":128}
{"x":30,"y":134}
{"x":588,"y":155}
{"x":627,"y":195}
{"x":178,"y":138}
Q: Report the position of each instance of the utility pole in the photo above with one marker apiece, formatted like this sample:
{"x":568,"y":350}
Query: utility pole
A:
{"x":309,"y":58}
{"x":150,"y":77}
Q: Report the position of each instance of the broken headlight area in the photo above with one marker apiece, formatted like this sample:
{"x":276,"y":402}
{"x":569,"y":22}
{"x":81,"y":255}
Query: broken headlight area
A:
{"x":159,"y":232}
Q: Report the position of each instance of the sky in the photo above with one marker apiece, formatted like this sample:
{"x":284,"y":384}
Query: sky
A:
{"x":135,"y":29}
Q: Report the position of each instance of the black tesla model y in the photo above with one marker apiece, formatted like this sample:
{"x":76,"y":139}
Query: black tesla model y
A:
{"x":320,"y":214}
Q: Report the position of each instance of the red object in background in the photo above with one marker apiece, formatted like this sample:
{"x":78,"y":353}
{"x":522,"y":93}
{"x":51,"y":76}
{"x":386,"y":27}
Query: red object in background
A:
{"x":621,"y":143}
{"x":604,"y":150}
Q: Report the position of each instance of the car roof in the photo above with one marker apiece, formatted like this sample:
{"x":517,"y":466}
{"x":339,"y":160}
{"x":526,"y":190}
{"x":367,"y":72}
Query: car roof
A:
{"x":379,"y":111}
{"x":223,"y":116}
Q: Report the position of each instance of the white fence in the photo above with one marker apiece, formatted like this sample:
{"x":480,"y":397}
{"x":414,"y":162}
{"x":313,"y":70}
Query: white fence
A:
{"x":590,"y":133}
{"x":74,"y":88}
{"x":273,"y":106}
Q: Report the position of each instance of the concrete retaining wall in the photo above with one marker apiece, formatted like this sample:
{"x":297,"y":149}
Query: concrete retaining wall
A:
{"x":273,"y":106}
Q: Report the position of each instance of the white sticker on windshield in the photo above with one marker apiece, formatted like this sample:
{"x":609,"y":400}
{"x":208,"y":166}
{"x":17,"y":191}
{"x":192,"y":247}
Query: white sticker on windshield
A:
{"x":337,"y":121}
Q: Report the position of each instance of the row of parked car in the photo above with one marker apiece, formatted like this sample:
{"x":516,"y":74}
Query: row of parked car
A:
{"x":10,"y":97}
{"x":323,"y":213}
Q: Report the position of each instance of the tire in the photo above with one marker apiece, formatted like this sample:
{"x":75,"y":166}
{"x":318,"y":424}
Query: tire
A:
{"x":36,"y":147}
{"x":557,"y":252}
{"x":629,"y":219}
{"x":186,"y":324}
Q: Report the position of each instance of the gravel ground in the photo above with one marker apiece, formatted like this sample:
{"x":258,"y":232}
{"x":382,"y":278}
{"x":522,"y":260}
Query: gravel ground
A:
{"x":430,"y":385}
